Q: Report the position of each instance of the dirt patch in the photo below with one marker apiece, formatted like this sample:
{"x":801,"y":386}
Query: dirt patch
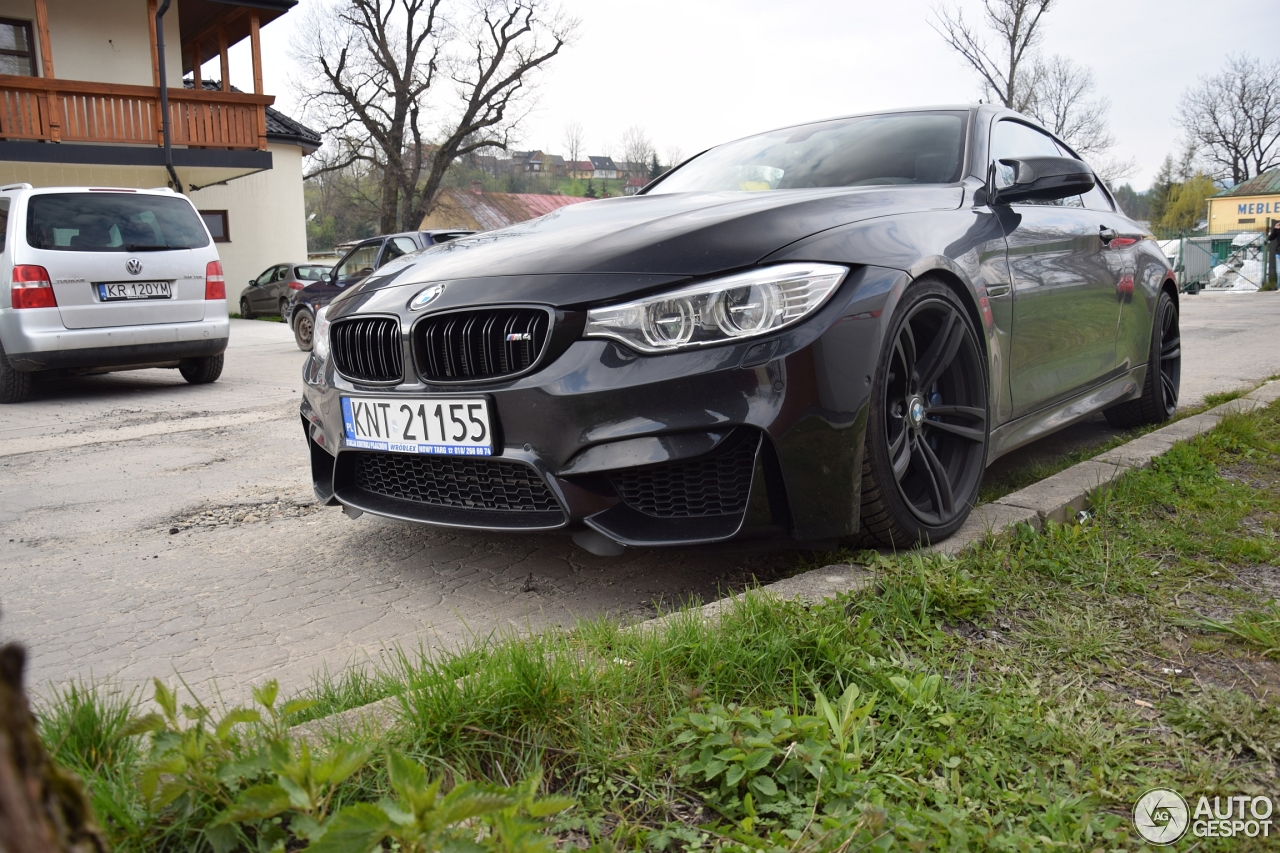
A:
{"x":234,"y":515}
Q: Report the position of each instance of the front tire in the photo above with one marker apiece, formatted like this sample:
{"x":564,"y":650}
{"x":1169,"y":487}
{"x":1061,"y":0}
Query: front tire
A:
{"x":15,"y":385}
{"x":201,"y":371}
{"x":926,"y":442}
{"x":1159,"y":400}
{"x":304,"y":326}
{"x":246,"y":313}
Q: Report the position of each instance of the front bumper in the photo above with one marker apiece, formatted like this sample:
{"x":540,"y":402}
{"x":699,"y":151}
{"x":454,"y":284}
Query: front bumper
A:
{"x":762,"y":438}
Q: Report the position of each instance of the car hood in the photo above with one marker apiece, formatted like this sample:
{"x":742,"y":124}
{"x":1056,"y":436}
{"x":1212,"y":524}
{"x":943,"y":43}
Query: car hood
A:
{"x":611,"y":248}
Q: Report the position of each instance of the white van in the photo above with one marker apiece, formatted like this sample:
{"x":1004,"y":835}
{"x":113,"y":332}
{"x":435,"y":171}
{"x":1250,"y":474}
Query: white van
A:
{"x":94,"y":280}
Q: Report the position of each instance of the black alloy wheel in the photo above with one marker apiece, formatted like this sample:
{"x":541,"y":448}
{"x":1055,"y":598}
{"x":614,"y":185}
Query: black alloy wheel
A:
{"x":927,"y":437}
{"x":1159,"y":400}
{"x":303,"y":327}
{"x":245,"y":311}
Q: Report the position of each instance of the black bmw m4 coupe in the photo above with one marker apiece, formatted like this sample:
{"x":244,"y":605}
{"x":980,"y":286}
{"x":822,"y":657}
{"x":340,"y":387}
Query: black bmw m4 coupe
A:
{"x":824,"y":332}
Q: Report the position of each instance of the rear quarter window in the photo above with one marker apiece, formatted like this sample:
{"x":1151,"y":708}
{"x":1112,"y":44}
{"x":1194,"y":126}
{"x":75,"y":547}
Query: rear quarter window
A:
{"x":112,"y":222}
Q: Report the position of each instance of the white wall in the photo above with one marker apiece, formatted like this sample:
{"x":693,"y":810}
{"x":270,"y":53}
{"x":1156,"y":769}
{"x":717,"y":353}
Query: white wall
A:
{"x":266,"y":218}
{"x":107,"y":41}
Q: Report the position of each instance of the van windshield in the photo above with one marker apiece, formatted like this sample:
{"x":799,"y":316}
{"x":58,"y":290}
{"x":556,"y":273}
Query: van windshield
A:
{"x":898,"y":148}
{"x":112,"y":222}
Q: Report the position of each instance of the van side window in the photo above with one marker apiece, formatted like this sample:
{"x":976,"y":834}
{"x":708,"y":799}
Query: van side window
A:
{"x":4,"y":220}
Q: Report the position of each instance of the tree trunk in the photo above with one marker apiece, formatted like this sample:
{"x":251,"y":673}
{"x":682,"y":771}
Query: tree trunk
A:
{"x":43,"y":809}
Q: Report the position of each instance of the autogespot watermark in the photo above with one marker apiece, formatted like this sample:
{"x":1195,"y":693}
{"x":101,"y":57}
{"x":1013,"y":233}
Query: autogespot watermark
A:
{"x":1163,"y":816}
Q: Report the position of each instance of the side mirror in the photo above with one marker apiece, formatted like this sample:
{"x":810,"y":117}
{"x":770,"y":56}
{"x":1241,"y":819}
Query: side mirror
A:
{"x":1045,"y":179}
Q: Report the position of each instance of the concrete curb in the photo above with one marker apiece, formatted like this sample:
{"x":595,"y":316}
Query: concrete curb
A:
{"x":1056,"y":498}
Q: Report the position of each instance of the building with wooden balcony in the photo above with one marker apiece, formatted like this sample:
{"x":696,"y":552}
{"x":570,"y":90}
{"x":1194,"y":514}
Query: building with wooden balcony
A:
{"x":84,"y":94}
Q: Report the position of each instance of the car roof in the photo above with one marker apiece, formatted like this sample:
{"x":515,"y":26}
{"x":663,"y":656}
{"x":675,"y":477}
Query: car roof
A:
{"x":45,"y":190}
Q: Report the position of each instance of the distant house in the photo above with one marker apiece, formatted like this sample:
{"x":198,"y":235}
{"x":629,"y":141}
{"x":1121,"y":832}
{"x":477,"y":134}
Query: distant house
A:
{"x":555,"y":165}
{"x":80,"y":105}
{"x":1247,"y":206}
{"x":480,"y":211}
{"x":633,"y":186}
{"x":605,"y":168}
{"x":581,"y":169}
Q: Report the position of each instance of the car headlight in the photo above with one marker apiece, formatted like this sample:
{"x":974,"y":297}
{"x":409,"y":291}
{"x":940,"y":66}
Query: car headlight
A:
{"x":743,"y":305}
{"x":320,"y":335}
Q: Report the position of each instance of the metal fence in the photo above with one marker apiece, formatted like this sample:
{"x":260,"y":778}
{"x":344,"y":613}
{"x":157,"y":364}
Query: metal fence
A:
{"x":1234,"y":261}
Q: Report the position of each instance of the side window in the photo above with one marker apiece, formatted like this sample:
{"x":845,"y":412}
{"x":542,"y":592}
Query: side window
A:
{"x":396,"y":247}
{"x":4,"y":220}
{"x":1011,"y":140}
{"x":360,"y":262}
{"x":281,"y":272}
{"x":265,"y":278}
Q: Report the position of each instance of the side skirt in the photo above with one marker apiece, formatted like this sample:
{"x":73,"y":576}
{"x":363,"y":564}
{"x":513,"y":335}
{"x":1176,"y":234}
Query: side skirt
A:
{"x":1037,"y":425}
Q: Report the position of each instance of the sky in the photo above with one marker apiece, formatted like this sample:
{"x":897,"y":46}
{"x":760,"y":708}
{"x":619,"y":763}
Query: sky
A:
{"x":695,"y":73}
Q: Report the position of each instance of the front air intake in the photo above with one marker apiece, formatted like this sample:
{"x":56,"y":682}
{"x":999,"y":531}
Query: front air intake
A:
{"x":368,"y":349}
{"x":483,"y":344}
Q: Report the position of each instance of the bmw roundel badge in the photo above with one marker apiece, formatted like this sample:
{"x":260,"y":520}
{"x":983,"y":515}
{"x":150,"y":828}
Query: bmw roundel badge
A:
{"x":426,"y":297}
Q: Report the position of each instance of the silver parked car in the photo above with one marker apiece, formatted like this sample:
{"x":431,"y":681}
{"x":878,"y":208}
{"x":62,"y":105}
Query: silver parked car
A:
{"x":106,"y":279}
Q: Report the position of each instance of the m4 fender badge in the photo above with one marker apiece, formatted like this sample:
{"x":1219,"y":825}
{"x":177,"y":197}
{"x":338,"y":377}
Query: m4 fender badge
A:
{"x":519,"y":336}
{"x":426,"y":297}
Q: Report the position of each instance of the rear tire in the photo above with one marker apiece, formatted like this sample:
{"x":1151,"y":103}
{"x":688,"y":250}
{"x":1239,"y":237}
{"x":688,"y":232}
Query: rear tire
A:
{"x":304,"y":326}
{"x":1159,"y":400}
{"x":245,"y":311}
{"x":201,"y":371}
{"x":15,"y":385}
{"x":926,"y":441}
{"x":284,"y":310}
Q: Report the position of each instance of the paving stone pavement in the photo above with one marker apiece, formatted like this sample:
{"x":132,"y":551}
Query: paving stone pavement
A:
{"x":96,"y":471}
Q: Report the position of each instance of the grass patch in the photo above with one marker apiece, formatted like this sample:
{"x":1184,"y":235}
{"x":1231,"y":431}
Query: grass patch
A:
{"x":270,"y":318}
{"x":1020,"y":696}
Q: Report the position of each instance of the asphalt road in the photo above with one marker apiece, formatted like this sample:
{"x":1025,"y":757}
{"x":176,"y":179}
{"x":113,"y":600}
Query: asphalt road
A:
{"x":259,"y":582}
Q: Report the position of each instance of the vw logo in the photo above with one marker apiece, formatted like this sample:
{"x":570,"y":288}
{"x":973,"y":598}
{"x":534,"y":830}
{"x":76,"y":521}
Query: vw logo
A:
{"x":133,"y":266}
{"x":426,"y":297}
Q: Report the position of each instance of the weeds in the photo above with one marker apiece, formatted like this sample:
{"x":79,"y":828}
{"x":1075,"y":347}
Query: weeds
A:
{"x":1017,"y":697}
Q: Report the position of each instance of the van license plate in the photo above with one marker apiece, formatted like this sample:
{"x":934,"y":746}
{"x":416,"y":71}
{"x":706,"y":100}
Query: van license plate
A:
{"x":113,"y":291}
{"x":451,"y":426}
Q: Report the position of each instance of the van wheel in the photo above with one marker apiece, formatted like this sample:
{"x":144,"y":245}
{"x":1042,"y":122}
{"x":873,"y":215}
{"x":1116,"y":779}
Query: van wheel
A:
{"x":15,"y":385}
{"x":201,"y":371}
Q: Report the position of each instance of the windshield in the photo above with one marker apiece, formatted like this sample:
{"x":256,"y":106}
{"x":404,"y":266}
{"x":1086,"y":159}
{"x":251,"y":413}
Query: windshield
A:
{"x":112,"y":222}
{"x":903,"y":148}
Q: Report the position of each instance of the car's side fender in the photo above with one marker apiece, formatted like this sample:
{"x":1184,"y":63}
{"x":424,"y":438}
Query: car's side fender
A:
{"x":966,"y":247}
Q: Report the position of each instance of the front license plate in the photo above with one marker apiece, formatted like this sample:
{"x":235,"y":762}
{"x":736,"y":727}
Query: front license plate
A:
{"x":453,"y":426}
{"x":112,"y":291}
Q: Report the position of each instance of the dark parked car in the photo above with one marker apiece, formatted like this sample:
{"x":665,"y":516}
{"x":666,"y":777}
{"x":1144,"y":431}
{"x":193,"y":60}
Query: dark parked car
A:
{"x":824,"y":332}
{"x":355,"y":265}
{"x":271,"y":292}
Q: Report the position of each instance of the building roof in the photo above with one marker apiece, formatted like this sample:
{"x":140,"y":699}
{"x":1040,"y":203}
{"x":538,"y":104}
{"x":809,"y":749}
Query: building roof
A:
{"x":581,"y":166}
{"x":459,"y":208}
{"x":555,"y":159}
{"x":280,"y":128}
{"x":602,"y":162}
{"x":1268,"y":183}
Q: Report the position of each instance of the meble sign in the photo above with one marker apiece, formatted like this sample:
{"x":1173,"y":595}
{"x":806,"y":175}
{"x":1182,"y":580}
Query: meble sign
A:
{"x":1255,"y":207}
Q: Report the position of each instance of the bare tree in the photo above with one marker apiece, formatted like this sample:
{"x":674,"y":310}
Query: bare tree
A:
{"x":1233,"y":118}
{"x":675,"y":156}
{"x":575,"y":139}
{"x":636,"y":147}
{"x":1008,"y":75}
{"x":414,"y":84}
{"x":1063,"y":101}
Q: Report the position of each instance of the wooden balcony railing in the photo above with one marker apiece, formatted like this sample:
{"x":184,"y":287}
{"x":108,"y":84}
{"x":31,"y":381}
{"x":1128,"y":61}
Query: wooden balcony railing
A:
{"x":35,"y":108}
